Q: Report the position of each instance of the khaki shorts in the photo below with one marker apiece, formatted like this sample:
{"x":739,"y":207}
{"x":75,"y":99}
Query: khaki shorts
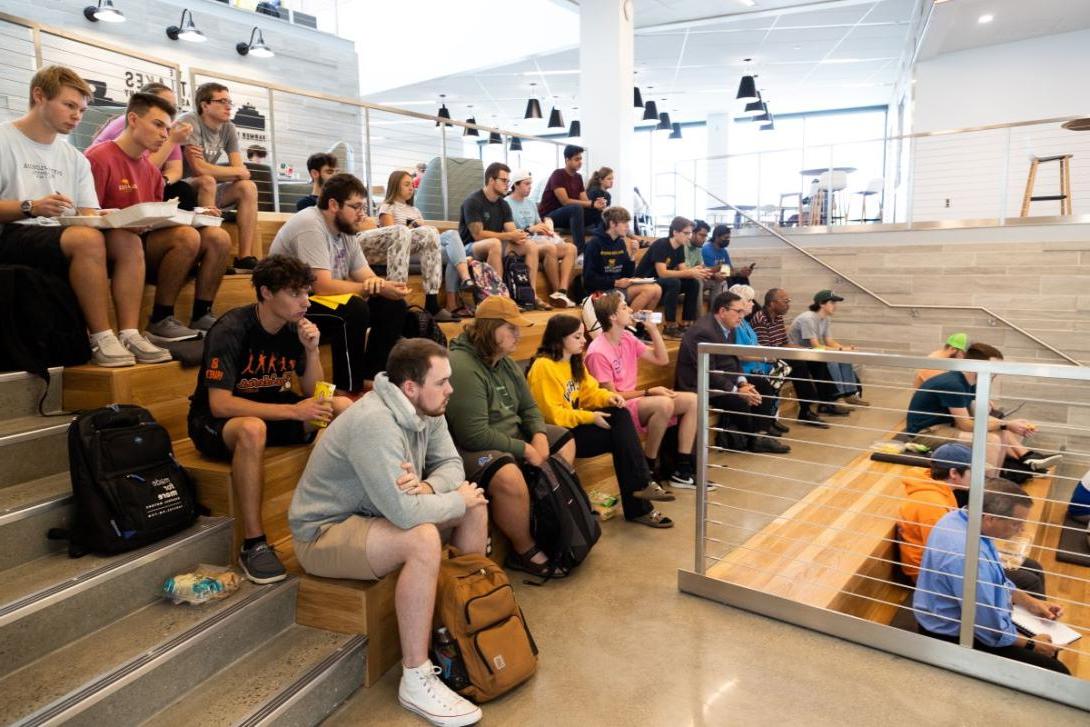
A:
{"x":481,"y":465}
{"x":933,"y":437}
{"x":339,"y":551}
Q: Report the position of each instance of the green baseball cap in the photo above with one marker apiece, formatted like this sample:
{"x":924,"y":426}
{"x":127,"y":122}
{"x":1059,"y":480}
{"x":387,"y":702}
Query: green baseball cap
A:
{"x":960,"y":341}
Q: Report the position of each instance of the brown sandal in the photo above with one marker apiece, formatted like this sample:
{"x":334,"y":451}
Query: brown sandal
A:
{"x":523,"y":562}
{"x":654,"y":519}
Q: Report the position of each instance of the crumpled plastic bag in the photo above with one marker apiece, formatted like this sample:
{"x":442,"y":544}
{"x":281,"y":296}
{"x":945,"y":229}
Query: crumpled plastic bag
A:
{"x":603,"y":503}
{"x":203,"y":584}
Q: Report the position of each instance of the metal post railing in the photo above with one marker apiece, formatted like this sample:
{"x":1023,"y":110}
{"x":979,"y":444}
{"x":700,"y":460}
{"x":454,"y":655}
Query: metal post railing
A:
{"x":703,"y":361}
{"x":981,"y":412}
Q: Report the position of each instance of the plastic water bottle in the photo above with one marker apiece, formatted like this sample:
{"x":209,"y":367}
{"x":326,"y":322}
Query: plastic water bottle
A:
{"x":448,"y":657}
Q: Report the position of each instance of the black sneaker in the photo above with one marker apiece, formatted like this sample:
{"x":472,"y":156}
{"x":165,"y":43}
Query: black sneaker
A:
{"x":811,"y":419}
{"x":834,"y":410}
{"x":261,"y":565}
{"x":769,"y":445}
{"x":781,"y":428}
{"x":245,"y":263}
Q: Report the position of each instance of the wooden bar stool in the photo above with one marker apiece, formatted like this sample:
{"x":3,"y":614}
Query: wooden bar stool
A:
{"x":1064,"y":197}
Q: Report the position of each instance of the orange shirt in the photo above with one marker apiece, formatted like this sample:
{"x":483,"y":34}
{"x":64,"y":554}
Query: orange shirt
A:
{"x":928,"y":501}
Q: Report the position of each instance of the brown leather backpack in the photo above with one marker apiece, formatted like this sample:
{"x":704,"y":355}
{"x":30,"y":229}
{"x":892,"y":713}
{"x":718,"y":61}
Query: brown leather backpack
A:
{"x":475,"y":602}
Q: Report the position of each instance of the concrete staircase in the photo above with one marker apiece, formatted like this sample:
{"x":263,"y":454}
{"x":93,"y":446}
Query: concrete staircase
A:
{"x":89,"y":640}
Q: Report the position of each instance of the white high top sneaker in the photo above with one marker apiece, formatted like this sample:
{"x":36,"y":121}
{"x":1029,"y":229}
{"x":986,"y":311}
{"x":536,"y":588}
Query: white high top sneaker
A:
{"x":422,"y":692}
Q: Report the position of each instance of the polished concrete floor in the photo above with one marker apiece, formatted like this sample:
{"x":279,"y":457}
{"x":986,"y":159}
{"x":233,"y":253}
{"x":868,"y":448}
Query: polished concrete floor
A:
{"x":620,"y":645}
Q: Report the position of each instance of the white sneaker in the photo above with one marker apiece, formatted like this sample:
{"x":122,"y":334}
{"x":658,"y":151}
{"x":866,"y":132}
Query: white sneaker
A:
{"x":144,"y":350}
{"x":109,"y":352}
{"x":561,"y":300}
{"x":422,"y":692}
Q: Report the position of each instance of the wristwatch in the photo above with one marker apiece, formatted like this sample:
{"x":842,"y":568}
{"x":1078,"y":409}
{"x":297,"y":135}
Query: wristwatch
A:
{"x":27,"y":207}
{"x":1002,"y":426}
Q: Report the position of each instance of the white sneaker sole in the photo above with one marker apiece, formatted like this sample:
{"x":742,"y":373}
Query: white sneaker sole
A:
{"x":115,"y":364}
{"x":261,"y":581}
{"x":1040,"y":464}
{"x":164,"y":339}
{"x":440,"y":720}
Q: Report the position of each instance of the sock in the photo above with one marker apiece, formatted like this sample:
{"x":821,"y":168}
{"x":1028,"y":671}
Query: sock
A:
{"x":431,"y":303}
{"x":126,"y":333}
{"x":201,"y":308}
{"x":684,"y":463}
{"x":651,"y":464}
{"x":251,"y":542}
{"x":97,"y":338}
{"x":159,"y":312}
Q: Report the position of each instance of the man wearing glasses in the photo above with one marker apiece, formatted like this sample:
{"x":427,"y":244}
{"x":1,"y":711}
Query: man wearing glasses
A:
{"x":486,"y":222}
{"x":324,"y":237}
{"x":218,"y":185}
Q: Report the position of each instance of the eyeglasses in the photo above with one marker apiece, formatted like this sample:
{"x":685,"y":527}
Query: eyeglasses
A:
{"x":358,"y":206}
{"x":225,"y":102}
{"x":505,"y":180}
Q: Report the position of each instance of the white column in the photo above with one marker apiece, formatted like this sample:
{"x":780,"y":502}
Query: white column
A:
{"x":716,"y":181}
{"x":606,"y":52}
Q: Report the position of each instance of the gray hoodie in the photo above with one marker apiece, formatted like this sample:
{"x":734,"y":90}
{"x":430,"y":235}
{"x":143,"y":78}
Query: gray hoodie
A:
{"x":354,"y":467}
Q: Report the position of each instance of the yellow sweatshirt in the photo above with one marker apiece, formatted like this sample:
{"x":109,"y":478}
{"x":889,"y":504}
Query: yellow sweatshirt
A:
{"x":562,"y":401}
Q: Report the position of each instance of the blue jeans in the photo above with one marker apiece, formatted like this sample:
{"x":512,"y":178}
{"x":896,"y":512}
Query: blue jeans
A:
{"x":847,"y":383}
{"x":570,"y":217}
{"x":454,"y":253}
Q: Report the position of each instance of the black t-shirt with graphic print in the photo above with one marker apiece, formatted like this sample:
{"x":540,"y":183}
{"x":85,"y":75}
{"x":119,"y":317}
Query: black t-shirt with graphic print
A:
{"x":491,"y":215}
{"x":244,"y":358}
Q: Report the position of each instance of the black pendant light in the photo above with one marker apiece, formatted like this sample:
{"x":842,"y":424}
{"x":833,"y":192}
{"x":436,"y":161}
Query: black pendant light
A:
{"x":650,"y":111}
{"x":771,"y":125}
{"x":747,"y":87}
{"x":495,"y":138}
{"x":556,"y":121}
{"x":755,"y":106}
{"x":764,"y":115}
{"x":444,"y":112}
{"x":676,"y":133}
{"x":576,"y":129}
{"x":533,"y":106}
{"x":664,"y":122}
{"x":470,"y":131}
{"x":637,"y":98}
{"x":516,"y":144}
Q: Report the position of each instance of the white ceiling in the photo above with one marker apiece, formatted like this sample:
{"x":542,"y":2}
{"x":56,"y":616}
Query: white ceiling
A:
{"x":954,"y":24}
{"x":808,"y":54}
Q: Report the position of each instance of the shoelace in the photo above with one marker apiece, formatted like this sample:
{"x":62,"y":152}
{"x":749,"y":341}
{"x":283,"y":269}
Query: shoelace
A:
{"x":430,"y":681}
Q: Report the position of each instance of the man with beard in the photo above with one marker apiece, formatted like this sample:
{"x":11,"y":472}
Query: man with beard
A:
{"x":353,"y":299}
{"x":382,"y":490}
{"x":243,"y":402}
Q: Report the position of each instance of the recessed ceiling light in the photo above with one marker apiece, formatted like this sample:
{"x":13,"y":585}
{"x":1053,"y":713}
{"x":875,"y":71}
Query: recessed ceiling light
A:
{"x":748,"y":4}
{"x":986,"y":18}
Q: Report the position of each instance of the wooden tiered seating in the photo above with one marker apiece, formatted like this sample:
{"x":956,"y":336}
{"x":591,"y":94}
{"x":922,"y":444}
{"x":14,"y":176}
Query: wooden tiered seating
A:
{"x":1066,"y":581}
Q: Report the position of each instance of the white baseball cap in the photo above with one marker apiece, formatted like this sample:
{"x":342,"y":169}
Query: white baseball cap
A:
{"x":518,"y":175}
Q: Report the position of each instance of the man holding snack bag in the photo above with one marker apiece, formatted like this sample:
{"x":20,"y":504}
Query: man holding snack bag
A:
{"x":244,"y":401}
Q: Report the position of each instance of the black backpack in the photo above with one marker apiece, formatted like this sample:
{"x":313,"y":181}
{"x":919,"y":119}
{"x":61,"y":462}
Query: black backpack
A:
{"x":516,"y":276}
{"x":129,"y":490}
{"x":40,"y":322}
{"x":421,"y":324}
{"x":561,"y":519}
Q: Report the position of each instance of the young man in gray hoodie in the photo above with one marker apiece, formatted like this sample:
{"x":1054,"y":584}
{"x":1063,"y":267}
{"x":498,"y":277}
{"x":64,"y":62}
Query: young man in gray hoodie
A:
{"x":382,"y":489}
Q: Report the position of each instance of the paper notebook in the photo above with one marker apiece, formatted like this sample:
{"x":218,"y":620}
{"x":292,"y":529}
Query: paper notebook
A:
{"x":1060,"y":633}
{"x":145,"y":214}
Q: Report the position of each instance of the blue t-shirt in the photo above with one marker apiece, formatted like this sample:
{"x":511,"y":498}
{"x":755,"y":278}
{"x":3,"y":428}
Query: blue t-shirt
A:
{"x":714,"y":255}
{"x":931,"y":404}
{"x":744,"y":335}
{"x":524,"y":212}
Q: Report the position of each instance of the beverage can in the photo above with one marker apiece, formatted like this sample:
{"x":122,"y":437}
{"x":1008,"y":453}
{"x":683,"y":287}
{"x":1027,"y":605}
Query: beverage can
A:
{"x":323,"y":391}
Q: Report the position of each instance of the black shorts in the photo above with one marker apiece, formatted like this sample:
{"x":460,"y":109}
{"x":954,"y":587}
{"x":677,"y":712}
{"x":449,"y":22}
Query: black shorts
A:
{"x":206,"y":431}
{"x":34,"y":246}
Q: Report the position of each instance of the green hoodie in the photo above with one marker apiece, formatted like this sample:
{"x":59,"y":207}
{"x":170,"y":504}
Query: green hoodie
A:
{"x":492,"y":407}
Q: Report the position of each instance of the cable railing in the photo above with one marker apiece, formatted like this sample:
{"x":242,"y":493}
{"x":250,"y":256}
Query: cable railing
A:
{"x":820,"y":535}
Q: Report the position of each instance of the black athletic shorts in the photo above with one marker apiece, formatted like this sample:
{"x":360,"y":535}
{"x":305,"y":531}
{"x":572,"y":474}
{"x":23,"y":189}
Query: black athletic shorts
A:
{"x":34,"y":246}
{"x":206,"y":431}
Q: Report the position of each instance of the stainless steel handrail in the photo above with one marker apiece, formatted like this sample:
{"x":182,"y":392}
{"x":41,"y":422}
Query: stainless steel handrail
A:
{"x":871,"y":293}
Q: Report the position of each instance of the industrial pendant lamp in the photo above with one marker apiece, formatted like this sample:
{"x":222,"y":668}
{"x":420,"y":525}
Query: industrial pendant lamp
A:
{"x":516,"y":144}
{"x":771,"y":125}
{"x":576,"y":129}
{"x":747,"y":87}
{"x":495,"y":138}
{"x":470,"y":131}
{"x":104,"y":11}
{"x":764,"y":115}
{"x":650,"y":110}
{"x":533,"y":106}
{"x":664,"y":122}
{"x":186,"y":29}
{"x":637,"y":98}
{"x":755,"y":106}
{"x":676,"y":133}
{"x":556,"y":121}
{"x":444,"y":112}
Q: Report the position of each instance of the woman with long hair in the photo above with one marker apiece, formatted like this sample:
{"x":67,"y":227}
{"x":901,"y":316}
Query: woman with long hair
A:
{"x":597,"y":418}
{"x":601,"y":181}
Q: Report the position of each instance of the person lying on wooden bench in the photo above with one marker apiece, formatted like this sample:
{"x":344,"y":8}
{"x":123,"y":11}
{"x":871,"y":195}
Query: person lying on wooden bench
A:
{"x":382,"y":490}
{"x":243,"y":402}
{"x":497,"y":425}
{"x":597,"y":418}
{"x":613,"y":358}
{"x":750,"y":400}
{"x":936,"y":602}
{"x":939,"y":412}
{"x":929,"y":500}
{"x":125,"y":176}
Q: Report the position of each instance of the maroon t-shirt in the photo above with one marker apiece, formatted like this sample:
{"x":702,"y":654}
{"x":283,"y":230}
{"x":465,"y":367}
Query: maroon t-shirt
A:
{"x":573,"y":183}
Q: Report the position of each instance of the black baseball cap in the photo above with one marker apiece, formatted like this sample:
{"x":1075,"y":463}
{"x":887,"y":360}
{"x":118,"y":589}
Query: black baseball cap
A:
{"x":824,"y":296}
